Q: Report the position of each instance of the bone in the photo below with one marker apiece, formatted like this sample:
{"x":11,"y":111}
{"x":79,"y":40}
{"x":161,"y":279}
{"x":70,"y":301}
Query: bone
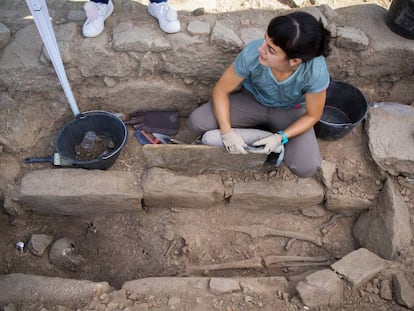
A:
{"x":259,"y":231}
{"x":252,"y":263}
{"x":271,"y":260}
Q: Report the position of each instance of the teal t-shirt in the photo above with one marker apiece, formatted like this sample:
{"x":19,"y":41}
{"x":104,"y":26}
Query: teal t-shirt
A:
{"x":310,"y":77}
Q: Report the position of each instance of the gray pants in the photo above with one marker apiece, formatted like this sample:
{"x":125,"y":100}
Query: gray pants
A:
{"x":302,"y":154}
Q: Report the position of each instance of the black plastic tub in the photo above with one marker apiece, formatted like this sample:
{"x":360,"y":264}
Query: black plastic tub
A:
{"x":103,"y":124}
{"x":400,"y":18}
{"x":345,"y":107}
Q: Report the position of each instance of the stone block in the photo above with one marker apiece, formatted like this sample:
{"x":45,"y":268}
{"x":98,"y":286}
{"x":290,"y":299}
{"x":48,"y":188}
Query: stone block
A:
{"x":322,"y":288}
{"x":359,"y":267}
{"x":390,"y":133}
{"x":73,"y":191}
{"x":279,"y":194}
{"x":385,"y":229}
{"x":199,"y":158}
{"x":222,"y":286}
{"x":404,"y":292}
{"x":24,"y":289}
{"x":165,"y":188}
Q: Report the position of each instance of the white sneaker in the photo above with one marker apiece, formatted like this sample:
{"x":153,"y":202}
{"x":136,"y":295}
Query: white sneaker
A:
{"x":96,"y":14}
{"x":167,"y":17}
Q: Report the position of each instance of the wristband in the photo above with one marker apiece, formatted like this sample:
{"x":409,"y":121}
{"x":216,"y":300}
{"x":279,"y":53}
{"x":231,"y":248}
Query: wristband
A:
{"x":284,"y":137}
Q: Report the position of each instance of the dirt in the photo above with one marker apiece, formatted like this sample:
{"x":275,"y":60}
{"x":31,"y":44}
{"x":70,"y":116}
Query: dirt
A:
{"x":177,"y":242}
{"x":102,"y":146}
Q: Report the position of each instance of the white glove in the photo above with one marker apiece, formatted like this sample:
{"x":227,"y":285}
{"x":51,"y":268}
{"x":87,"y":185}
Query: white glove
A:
{"x":233,"y":142}
{"x":271,"y":144}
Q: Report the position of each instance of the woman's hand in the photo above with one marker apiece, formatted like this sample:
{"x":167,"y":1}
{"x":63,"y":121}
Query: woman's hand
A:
{"x":233,"y":142}
{"x":271,"y":143}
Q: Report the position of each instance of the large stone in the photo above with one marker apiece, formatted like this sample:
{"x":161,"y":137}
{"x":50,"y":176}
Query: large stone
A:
{"x":225,"y":37}
{"x":322,"y":288}
{"x":20,"y":66}
{"x":80,"y":192}
{"x":142,"y":38}
{"x":24,"y":289}
{"x":347,"y":204}
{"x":352,"y":38}
{"x":404,"y":292}
{"x":385,"y":229}
{"x":99,"y":64}
{"x":196,"y":158}
{"x":222,"y":286}
{"x":390,"y":132}
{"x":279,"y":194}
{"x":359,"y":267}
{"x":144,"y":94}
{"x":165,"y":188}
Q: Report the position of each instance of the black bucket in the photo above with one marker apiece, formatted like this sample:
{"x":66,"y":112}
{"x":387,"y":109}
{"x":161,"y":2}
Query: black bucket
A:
{"x":400,"y":18}
{"x":345,"y":107}
{"x":103,"y":124}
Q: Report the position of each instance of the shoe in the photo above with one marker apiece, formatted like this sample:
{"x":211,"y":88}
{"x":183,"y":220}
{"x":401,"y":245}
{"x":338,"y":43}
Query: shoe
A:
{"x":167,"y":17}
{"x":96,"y":14}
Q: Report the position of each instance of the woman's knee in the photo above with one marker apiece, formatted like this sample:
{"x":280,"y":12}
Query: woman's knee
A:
{"x":202,"y":119}
{"x":304,"y":171}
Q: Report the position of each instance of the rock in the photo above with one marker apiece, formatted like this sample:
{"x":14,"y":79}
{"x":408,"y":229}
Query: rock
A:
{"x":199,"y":28}
{"x":322,"y":288}
{"x":225,"y":37}
{"x":192,"y":158}
{"x":351,"y":38}
{"x":385,"y":229}
{"x":12,"y":207}
{"x":391,"y":146}
{"x":64,"y":255}
{"x":38,"y":243}
{"x":326,"y":173}
{"x":359,"y":267}
{"x":4,"y":35}
{"x":403,"y":291}
{"x":314,"y":211}
{"x":346,"y":203}
{"x":51,"y":191}
{"x":279,"y":194}
{"x":142,"y":38}
{"x":385,"y":290}
{"x":25,"y":289}
{"x":165,"y":188}
{"x":222,"y":286}
{"x":98,"y":65}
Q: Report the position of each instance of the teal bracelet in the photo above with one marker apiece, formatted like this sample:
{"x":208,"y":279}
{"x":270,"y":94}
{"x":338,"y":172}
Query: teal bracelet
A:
{"x":284,"y":137}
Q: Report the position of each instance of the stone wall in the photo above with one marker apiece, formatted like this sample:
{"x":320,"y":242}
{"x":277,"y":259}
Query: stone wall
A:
{"x":133,"y":65}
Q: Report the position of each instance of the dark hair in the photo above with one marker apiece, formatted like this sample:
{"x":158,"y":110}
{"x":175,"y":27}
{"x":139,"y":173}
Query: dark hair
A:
{"x":300,"y":35}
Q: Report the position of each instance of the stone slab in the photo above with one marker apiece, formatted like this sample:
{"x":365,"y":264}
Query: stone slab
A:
{"x":166,"y":188}
{"x":385,"y":229}
{"x":23,"y":289}
{"x":360,"y":266}
{"x":279,"y":194}
{"x":80,"y":192}
{"x":199,"y":158}
{"x":322,"y":288}
{"x":390,"y":129}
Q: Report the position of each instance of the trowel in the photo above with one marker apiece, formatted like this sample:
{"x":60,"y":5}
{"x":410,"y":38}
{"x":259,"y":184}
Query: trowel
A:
{"x":165,"y":139}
